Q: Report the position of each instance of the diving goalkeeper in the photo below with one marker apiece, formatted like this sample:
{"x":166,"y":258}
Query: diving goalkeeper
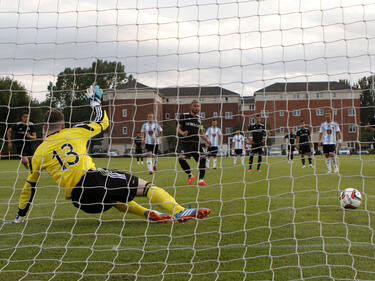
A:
{"x":93,"y":190}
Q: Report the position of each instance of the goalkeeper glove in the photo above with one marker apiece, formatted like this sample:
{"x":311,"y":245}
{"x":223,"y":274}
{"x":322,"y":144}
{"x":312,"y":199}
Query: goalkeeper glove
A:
{"x":18,"y":219}
{"x":94,"y":95}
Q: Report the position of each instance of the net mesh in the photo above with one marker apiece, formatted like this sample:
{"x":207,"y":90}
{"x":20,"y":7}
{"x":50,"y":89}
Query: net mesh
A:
{"x":282,"y":223}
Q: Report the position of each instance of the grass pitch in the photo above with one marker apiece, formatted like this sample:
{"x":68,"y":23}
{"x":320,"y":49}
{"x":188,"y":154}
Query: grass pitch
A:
{"x":283,"y":223}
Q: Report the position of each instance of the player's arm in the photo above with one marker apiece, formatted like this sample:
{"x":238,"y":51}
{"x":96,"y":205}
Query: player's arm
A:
{"x":9,"y":135}
{"x":338,"y":135}
{"x":320,"y":135}
{"x":180,"y":124}
{"x":101,"y":123}
{"x":203,"y":135}
{"x":28,"y":191}
{"x":160,"y":133}
{"x":220,"y":138}
{"x":32,"y":133}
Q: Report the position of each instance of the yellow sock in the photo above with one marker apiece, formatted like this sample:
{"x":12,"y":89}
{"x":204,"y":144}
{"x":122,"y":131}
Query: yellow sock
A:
{"x":131,"y":207}
{"x":158,"y":195}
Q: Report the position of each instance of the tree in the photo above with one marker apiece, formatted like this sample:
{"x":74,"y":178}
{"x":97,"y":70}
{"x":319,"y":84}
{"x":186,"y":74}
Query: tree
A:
{"x":170,"y":134}
{"x":68,"y":91}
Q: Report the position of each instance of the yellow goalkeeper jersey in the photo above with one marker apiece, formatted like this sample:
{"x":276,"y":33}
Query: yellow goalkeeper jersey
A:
{"x":63,"y":155}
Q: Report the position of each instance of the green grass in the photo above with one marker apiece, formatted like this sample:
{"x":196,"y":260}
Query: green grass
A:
{"x":280,"y":224}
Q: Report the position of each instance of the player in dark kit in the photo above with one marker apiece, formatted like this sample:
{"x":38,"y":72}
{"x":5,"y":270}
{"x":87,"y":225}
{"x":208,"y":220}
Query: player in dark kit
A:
{"x":138,"y":147}
{"x":371,"y":126}
{"x":24,"y":133}
{"x":303,"y":142}
{"x":258,"y":134}
{"x":290,"y":140}
{"x":190,"y":130}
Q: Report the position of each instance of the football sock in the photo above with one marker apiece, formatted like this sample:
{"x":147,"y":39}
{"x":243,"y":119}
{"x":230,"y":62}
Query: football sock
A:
{"x":208,"y":162}
{"x":291,"y":155}
{"x":214,"y":163}
{"x":131,"y":207}
{"x":334,"y":162}
{"x":243,"y":160}
{"x":328,"y":163}
{"x":259,"y":161}
{"x":184,"y":165}
{"x":155,"y":160}
{"x":149,"y":163}
{"x":164,"y":199}
{"x":202,"y":168}
{"x":303,"y":161}
{"x":310,"y":160}
{"x":234,"y":160}
{"x":251,"y":161}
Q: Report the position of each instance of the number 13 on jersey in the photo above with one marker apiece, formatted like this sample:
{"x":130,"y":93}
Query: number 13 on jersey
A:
{"x":67,"y":150}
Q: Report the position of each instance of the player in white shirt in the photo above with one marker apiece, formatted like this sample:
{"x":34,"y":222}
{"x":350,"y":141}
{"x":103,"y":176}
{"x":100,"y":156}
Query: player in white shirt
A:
{"x":151,"y":132}
{"x":329,"y":133}
{"x":215,"y":136}
{"x":238,"y":147}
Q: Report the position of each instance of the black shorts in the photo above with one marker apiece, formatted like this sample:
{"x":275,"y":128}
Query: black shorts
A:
{"x":24,"y":150}
{"x":100,"y":189}
{"x":304,"y":148}
{"x":138,"y":151}
{"x":291,"y":148}
{"x":257,"y":148}
{"x":191,"y":149}
{"x":212,"y":150}
{"x":152,"y":148}
{"x":329,"y":148}
{"x":238,"y":152}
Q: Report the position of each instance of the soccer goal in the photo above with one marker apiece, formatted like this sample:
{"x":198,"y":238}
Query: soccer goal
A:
{"x":269,"y":70}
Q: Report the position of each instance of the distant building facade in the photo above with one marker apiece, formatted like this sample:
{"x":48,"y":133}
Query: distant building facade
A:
{"x":282,"y":106}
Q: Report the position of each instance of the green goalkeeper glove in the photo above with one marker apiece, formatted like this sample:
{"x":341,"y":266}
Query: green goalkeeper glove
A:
{"x":94,"y":95}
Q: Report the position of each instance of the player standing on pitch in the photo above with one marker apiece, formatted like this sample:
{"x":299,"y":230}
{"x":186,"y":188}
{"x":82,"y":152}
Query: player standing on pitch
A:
{"x":258,"y":134}
{"x":290,"y":140}
{"x":238,"y":147}
{"x":63,"y":155}
{"x":303,"y":141}
{"x":151,"y":131}
{"x":190,"y":130}
{"x":329,"y":132}
{"x":24,"y":133}
{"x":215,"y":136}
{"x":138,"y":148}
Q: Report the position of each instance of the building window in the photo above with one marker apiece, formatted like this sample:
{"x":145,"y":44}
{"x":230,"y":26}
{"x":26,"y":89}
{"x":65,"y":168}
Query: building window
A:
{"x":226,"y":99}
{"x":319,"y":112}
{"x":228,"y":130}
{"x":281,"y":96}
{"x":251,"y":106}
{"x":176,"y":115}
{"x":167,"y":116}
{"x":296,"y":96}
{"x":282,"y":130}
{"x":318,"y":95}
{"x":203,"y":114}
{"x":297,"y":112}
{"x":167,"y":100}
{"x":351,"y":111}
{"x":228,"y":115}
{"x":264,"y":113}
{"x":334,"y":111}
{"x":215,"y":114}
{"x":281,"y":113}
{"x":295,"y":129}
{"x":124,"y":130}
{"x":201,"y":99}
{"x":252,"y":120}
{"x":124,"y":113}
{"x":352,"y":128}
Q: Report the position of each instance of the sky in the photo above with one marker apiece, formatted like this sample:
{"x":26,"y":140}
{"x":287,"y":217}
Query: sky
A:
{"x":239,"y":45}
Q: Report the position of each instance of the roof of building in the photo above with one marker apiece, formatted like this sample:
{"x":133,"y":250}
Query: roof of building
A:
{"x":305,"y":87}
{"x":132,"y":85}
{"x":248,"y":99}
{"x":196,"y":91}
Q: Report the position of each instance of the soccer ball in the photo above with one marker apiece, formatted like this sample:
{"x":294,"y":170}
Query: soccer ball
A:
{"x":350,"y":198}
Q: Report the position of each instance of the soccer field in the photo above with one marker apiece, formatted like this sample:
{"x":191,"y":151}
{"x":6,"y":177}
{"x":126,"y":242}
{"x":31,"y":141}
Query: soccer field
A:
{"x":284,"y":223}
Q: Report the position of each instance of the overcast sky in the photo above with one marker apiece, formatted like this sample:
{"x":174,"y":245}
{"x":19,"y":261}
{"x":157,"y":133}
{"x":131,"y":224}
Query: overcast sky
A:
{"x":239,"y":45}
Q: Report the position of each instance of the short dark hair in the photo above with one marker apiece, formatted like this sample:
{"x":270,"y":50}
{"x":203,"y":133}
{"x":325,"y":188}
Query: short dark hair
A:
{"x":24,"y":112}
{"x":53,"y":118}
{"x":194,"y":101}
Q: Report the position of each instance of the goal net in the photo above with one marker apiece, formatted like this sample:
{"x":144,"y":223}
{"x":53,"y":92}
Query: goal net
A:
{"x":284,"y":61}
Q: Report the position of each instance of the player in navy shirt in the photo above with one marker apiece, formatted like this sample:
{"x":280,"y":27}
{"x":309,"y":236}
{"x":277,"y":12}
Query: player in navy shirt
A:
{"x":258,"y":135}
{"x":23,"y":133}
{"x":371,"y":125}
{"x":304,"y":144}
{"x":291,"y":142}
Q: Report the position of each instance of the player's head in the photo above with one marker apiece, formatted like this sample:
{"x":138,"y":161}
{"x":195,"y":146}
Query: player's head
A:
{"x":25,"y":116}
{"x":138,"y":134}
{"x":303,"y":124}
{"x":150,"y":116}
{"x":238,"y":131}
{"x":195,"y":107}
{"x":258,"y":119}
{"x":291,"y":130}
{"x":53,"y":121}
{"x":328,"y":116}
{"x":214,"y":123}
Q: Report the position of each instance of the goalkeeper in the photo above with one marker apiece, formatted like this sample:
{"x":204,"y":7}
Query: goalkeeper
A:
{"x":93,"y":190}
